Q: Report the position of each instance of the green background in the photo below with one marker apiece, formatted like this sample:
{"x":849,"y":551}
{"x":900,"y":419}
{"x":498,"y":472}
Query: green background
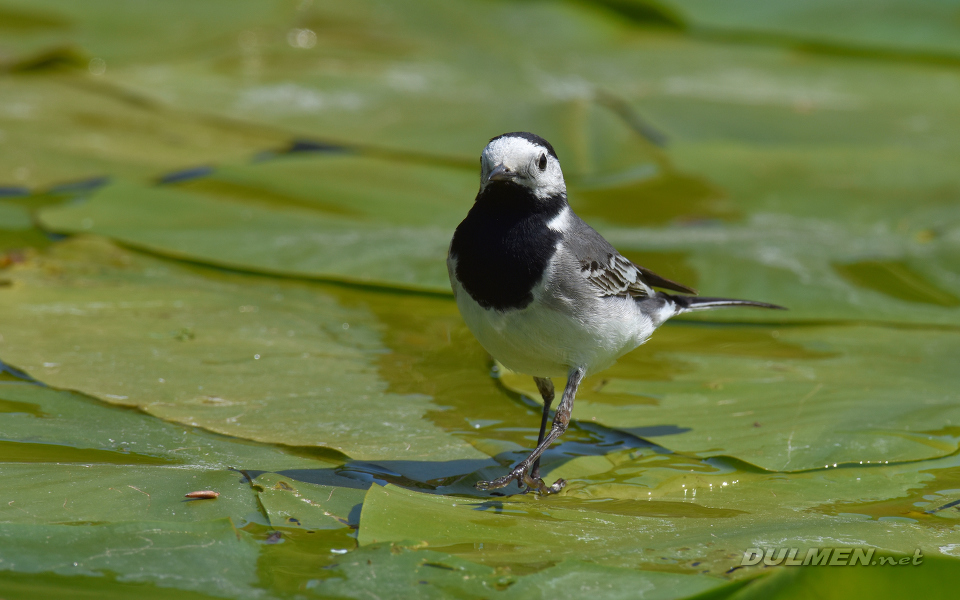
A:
{"x":222,"y":236}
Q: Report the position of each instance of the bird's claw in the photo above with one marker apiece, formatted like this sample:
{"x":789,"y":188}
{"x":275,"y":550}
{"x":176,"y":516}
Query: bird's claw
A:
{"x":522,"y":478}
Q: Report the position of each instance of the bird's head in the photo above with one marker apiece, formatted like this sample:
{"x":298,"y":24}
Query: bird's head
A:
{"x":524,"y":159}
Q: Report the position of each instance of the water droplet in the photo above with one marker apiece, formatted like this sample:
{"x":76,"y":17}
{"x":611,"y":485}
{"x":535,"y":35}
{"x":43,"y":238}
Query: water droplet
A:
{"x":97,"y":66}
{"x":301,"y":38}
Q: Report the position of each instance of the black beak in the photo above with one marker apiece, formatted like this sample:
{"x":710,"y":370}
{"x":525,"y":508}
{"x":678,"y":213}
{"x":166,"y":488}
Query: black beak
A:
{"x":500,"y":173}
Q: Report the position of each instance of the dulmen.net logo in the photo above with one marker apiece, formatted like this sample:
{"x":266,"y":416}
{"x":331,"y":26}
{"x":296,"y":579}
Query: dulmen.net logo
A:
{"x":830,"y":557}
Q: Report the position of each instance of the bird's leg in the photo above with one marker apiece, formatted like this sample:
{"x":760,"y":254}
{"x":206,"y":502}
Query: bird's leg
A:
{"x":546,"y":392}
{"x":560,"y":422}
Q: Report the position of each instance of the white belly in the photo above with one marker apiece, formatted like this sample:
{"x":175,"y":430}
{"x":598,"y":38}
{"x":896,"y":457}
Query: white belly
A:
{"x":545,"y":341}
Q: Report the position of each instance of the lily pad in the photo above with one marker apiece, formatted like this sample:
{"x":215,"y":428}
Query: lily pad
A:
{"x":14,"y":218}
{"x":923,"y":30}
{"x":203,"y":556}
{"x":672,"y":485}
{"x":573,"y":578}
{"x":288,"y":240}
{"x":206,"y":349}
{"x":784,"y":399}
{"x":521,"y":530}
{"x":41,"y":424}
{"x":938,"y":577}
{"x":19,"y":586}
{"x":63,"y":131}
{"x":18,"y":233}
{"x":750,"y":151}
{"x":296,"y":504}
{"x":127,"y":34}
{"x":399,"y":570}
{"x":91,"y":493}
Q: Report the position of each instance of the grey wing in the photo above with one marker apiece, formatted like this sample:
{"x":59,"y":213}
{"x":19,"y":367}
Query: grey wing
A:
{"x":610,"y":273}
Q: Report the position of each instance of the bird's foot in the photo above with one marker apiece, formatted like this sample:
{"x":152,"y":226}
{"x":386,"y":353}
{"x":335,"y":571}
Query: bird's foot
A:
{"x":538,"y":486}
{"x":522,"y":478}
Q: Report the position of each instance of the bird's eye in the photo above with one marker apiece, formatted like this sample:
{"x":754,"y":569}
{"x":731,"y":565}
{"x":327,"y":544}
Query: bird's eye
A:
{"x":542,"y":163}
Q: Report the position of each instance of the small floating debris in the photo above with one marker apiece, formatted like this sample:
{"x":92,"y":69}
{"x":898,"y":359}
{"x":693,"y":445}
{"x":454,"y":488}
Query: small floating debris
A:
{"x":202,"y":495}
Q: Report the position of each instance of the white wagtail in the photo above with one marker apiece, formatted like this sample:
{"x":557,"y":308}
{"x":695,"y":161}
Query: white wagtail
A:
{"x":543,"y":292}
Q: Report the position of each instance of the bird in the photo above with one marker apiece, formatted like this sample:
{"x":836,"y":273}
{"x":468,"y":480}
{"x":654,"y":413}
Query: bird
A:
{"x":544,"y":293}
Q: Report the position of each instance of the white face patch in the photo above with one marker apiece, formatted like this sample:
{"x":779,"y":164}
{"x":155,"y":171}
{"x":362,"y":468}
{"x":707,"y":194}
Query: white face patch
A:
{"x":521,"y":160}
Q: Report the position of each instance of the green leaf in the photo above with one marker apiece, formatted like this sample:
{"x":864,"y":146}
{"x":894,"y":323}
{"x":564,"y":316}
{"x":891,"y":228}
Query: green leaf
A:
{"x":276,"y":362}
{"x":395,"y":571}
{"x":574,"y":578}
{"x":90,"y":493}
{"x":287,"y":240}
{"x":70,"y":131}
{"x":18,"y":233}
{"x":777,"y":169}
{"x":398,"y":571}
{"x":784,"y":399}
{"x":528,"y":531}
{"x":20,"y":586}
{"x":937,"y":577}
{"x":925,"y":30}
{"x":297,"y":504}
{"x":127,"y":34}
{"x":896,"y":279}
{"x":202,"y":556}
{"x":14,"y":218}
{"x":41,"y":424}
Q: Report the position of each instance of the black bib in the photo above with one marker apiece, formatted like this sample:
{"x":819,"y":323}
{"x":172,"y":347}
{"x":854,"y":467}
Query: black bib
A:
{"x":503,"y":246}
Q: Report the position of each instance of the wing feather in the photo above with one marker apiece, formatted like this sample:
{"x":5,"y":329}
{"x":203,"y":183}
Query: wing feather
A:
{"x":609,"y":273}
{"x":617,"y":276}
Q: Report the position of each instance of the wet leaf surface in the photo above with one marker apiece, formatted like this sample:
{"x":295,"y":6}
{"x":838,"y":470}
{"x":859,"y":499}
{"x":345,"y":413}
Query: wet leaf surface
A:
{"x":200,"y":556}
{"x":207,"y":352}
{"x":65,"y":427}
{"x":522,"y":529}
{"x":284,"y":240}
{"x":399,"y":571}
{"x":296,"y":504}
{"x":784,"y":399}
{"x":276,"y":167}
{"x":22,"y":586}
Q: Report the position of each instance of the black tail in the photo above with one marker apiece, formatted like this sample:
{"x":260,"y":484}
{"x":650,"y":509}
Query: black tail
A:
{"x":691,"y":303}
